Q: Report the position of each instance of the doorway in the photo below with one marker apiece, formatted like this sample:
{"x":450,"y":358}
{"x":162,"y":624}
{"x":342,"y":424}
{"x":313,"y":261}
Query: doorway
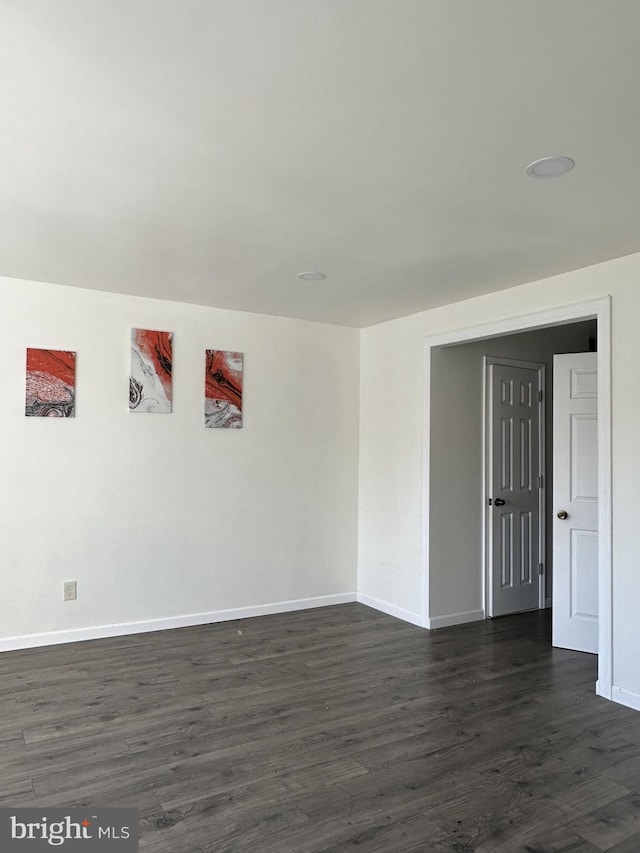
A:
{"x":454,"y":541}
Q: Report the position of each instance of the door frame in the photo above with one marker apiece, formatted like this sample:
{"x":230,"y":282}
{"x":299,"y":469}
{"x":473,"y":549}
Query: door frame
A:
{"x":596,"y":309}
{"x":487,"y":567}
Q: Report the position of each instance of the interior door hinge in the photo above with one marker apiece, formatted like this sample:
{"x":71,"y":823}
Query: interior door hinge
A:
{"x":540,"y":396}
{"x":540,"y":568}
{"x":540,"y":481}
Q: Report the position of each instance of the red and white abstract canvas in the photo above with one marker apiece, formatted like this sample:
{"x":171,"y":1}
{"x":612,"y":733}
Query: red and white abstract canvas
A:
{"x":150,"y":388}
{"x":51,"y":384}
{"x":223,"y":389}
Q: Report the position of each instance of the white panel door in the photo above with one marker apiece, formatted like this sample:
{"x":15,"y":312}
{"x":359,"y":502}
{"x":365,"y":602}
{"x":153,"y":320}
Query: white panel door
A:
{"x":513,"y":482}
{"x":575,"y":501}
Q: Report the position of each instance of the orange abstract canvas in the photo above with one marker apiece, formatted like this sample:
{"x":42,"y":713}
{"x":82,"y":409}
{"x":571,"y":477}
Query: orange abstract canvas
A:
{"x":150,"y":381}
{"x":223,"y":389}
{"x":51,"y":384}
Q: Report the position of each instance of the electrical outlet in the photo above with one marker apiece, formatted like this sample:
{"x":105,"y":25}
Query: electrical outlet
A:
{"x":70,"y":590}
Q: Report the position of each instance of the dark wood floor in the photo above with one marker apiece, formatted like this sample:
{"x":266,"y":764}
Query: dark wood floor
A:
{"x":328,"y":730}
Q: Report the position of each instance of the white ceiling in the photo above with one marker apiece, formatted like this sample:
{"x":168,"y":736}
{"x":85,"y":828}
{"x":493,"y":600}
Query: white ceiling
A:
{"x":209,"y":150}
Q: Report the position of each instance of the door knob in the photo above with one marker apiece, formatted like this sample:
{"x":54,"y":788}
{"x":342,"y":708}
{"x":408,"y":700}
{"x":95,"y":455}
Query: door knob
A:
{"x":563,"y":514}
{"x":499,"y":502}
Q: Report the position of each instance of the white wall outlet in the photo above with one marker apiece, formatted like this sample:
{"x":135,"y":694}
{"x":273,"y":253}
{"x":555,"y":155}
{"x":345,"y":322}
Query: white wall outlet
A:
{"x":70,"y":590}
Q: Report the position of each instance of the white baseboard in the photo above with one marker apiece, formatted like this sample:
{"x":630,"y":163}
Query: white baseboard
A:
{"x":625,"y":697}
{"x":604,"y":690}
{"x":455,"y":619}
{"x":390,"y":609}
{"x":52,"y":638}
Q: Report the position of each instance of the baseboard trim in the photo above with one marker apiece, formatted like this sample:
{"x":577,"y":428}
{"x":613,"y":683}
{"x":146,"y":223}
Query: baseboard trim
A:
{"x":390,"y":609}
{"x":455,"y":619}
{"x":74,"y":635}
{"x":625,"y":697}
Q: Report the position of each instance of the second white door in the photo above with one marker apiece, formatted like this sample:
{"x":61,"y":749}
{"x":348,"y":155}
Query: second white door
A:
{"x":575,"y":501}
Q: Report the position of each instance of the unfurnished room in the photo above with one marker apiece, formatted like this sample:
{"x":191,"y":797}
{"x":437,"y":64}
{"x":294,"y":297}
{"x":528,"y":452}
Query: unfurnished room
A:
{"x":337,"y":546}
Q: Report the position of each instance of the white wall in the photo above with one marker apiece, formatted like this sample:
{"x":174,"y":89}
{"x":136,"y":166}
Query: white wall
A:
{"x":456,"y":449}
{"x":391,"y":524}
{"x":153,"y":515}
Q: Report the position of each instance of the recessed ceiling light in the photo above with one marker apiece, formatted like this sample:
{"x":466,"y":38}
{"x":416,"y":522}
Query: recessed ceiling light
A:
{"x":550,"y":167}
{"x":311,"y":276}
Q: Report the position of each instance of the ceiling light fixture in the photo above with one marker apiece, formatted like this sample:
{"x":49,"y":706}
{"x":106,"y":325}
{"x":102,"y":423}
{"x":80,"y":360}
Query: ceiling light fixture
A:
{"x":550,"y":167}
{"x":311,"y":276}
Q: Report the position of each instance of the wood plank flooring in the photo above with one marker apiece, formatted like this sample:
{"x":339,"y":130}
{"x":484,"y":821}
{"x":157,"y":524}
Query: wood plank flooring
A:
{"x":333,"y":730}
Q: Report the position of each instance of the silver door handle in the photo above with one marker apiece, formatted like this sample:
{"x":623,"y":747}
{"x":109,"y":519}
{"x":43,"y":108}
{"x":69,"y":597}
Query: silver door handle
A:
{"x":563,"y":514}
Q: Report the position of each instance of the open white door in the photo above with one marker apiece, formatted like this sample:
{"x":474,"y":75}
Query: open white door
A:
{"x":575,"y":501}
{"x":514,"y":407}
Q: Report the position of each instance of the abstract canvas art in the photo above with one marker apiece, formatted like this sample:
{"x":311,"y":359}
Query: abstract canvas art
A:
{"x":51,"y":384}
{"x":150,"y":380}
{"x":223,"y":389}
